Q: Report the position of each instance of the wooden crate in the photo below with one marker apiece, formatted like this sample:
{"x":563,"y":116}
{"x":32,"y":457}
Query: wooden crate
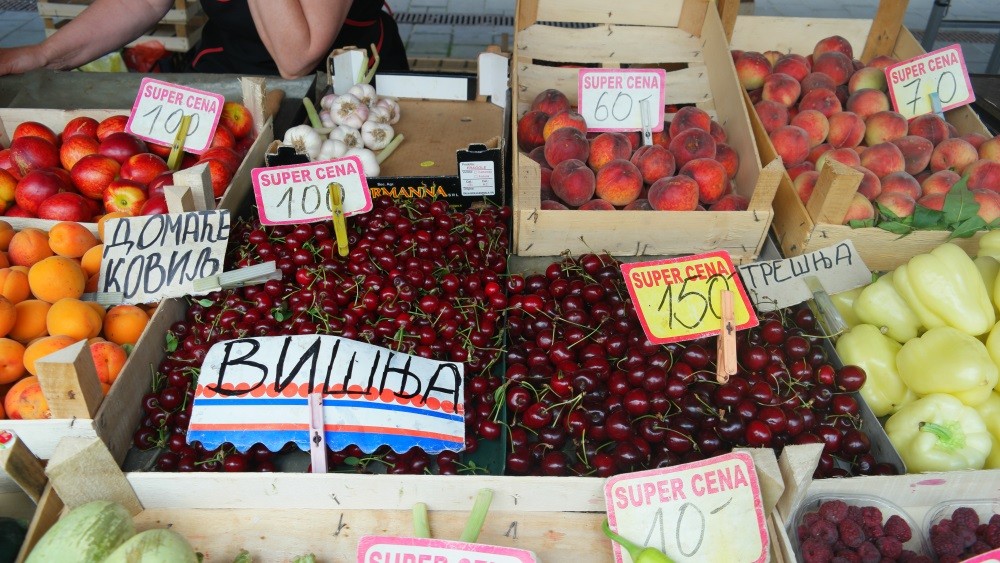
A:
{"x":178,"y":31}
{"x":797,"y":231}
{"x":688,"y":37}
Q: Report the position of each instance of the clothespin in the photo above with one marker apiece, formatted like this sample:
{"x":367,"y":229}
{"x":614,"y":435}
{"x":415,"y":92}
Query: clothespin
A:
{"x":645,"y":113}
{"x":177,"y":149}
{"x":824,"y":309}
{"x":936,"y":104}
{"x":251,"y":275}
{"x":317,"y":433}
{"x":725,"y":364}
{"x":107,"y":299}
{"x":339,"y":221}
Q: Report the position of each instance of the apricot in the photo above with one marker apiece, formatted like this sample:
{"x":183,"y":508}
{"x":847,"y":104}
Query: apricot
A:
{"x":28,"y":247}
{"x":11,"y":361}
{"x":25,"y":401}
{"x":109,"y":358}
{"x":55,"y":278}
{"x":71,"y":239}
{"x":74,"y":318}
{"x":124,"y":324}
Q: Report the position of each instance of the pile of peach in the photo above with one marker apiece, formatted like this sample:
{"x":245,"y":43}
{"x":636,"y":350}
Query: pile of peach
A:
{"x":688,"y":167}
{"x":94,"y":167}
{"x":830,"y":106}
{"x":43,"y":277}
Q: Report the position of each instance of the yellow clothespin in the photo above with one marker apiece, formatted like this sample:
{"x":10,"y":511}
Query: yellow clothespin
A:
{"x":725,"y":364}
{"x":339,"y":221}
{"x":177,"y":149}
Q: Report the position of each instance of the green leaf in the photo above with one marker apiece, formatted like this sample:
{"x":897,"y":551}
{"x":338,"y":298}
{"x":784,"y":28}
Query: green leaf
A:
{"x":897,"y":227}
{"x":172,"y":342}
{"x":925,"y":218}
{"x":128,"y":349}
{"x":205,"y":302}
{"x":352,"y":461}
{"x":960,"y":204}
{"x":968,"y":227}
{"x":886,"y":212}
{"x":861,"y":224}
{"x":995,"y":224}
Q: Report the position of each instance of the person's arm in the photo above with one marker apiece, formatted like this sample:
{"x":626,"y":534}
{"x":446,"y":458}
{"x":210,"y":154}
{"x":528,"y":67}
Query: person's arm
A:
{"x":105,"y":26}
{"x":298,"y":33}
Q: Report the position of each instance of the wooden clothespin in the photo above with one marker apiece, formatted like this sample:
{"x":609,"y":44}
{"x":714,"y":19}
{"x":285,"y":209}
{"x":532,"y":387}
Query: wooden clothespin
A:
{"x":317,"y":433}
{"x":177,"y":149}
{"x":339,"y":221}
{"x":725,"y":364}
{"x":251,"y":275}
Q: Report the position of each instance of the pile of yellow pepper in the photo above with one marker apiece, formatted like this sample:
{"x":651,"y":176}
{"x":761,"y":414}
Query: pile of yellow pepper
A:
{"x":928,"y":338}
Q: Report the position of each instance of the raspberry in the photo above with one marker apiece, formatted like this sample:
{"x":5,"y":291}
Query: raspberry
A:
{"x":995,"y":519}
{"x":851,"y":533}
{"x":873,"y":531}
{"x":910,"y":557}
{"x":896,"y":527}
{"x":992,"y":535}
{"x":949,"y":559}
{"x":965,"y":537}
{"x":845,"y":556}
{"x":854,"y":513}
{"x":945,"y":544}
{"x":833,"y":510}
{"x":868,"y":553}
{"x":965,"y":517}
{"x":824,"y":531}
{"x":980,"y":547}
{"x":813,"y":550}
{"x":889,"y":546}
{"x":871,"y":516}
{"x":810,"y":519}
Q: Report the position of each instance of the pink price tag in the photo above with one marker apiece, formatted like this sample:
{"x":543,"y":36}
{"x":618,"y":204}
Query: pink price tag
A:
{"x":611,"y":99}
{"x":992,"y":556}
{"x":388,"y":549}
{"x":298,"y":193}
{"x":704,"y":511}
{"x":158,"y":109}
{"x":941,"y":72}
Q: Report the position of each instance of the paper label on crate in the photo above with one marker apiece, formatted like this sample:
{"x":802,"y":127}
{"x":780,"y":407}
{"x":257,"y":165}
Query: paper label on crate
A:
{"x":992,"y":556}
{"x":152,"y":257}
{"x":776,"y":284}
{"x":478,"y":178}
{"x":704,"y":511}
{"x":299,"y":193}
{"x":680,"y":298}
{"x":388,"y":549}
{"x":610,"y":99}
{"x":159,"y":107}
{"x":943,"y":72}
{"x":256,"y":390}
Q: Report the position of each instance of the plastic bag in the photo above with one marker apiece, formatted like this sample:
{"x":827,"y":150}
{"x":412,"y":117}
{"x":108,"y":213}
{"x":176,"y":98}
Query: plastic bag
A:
{"x":112,"y":62}
{"x":145,"y":57}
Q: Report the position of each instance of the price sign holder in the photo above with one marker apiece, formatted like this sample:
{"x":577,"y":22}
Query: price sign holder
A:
{"x":317,"y":433}
{"x":681,"y":298}
{"x":160,"y":107}
{"x":694,"y":512}
{"x":381,"y":549}
{"x":610,"y":99}
{"x":941,"y":73}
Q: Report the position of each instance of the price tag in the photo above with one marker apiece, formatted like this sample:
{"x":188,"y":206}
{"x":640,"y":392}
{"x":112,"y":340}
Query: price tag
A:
{"x":942,"y":72}
{"x":386,"y":549}
{"x":158,"y":109}
{"x":992,"y":556}
{"x":681,"y":298}
{"x":610,"y":99}
{"x":298,"y":193}
{"x":708,"y":510}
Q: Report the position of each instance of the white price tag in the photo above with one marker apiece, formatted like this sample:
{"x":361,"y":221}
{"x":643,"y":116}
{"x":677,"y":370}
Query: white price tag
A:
{"x":298,"y":193}
{"x":610,"y":99}
{"x":159,"y":107}
{"x":942,"y":72}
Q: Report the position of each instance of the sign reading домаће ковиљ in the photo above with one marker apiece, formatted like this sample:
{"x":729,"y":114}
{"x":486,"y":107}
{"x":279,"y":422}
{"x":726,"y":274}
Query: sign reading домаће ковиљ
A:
{"x":256,"y":390}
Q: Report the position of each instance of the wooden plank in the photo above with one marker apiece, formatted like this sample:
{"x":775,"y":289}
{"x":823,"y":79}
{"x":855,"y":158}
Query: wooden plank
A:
{"x":795,"y":35}
{"x":666,"y":14}
{"x":17,"y":461}
{"x":42,"y":436}
{"x":50,"y":506}
{"x":69,"y":382}
{"x":885,"y":28}
{"x":684,"y":86}
{"x":608,"y":44}
{"x":835,"y":188}
{"x":728,"y":10}
{"x":82,"y":470}
{"x":199,"y":181}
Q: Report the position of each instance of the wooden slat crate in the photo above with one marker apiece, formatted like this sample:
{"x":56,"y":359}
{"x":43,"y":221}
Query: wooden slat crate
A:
{"x":179,"y":30}
{"x":686,"y":37}
{"x":797,"y":231}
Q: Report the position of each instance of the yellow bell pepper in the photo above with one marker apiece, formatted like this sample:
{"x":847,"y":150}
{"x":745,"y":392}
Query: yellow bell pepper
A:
{"x":939,"y":433}
{"x":947,"y":360}
{"x":990,"y":413}
{"x":989,"y":244}
{"x":945,"y":286}
{"x":844,"y":302}
{"x":865,"y":346}
{"x":881,"y":305}
{"x":993,"y":348}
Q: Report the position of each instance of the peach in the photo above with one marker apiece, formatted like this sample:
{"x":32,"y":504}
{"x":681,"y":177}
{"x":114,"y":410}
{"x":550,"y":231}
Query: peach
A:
{"x":833,"y":43}
{"x":573,"y":182}
{"x":847,"y":129}
{"x":735,"y":54}
{"x":804,"y":184}
{"x":691,"y":144}
{"x":916,"y":152}
{"x":752,"y":68}
{"x":883,"y":159}
{"x":796,"y":169}
{"x":815,"y":124}
{"x":754,"y":95}
{"x":953,"y":154}
{"x":930,"y":127}
{"x":868,"y":78}
{"x":860,"y":209}
{"x":791,"y":143}
{"x":529,"y":130}
{"x":932,"y":201}
{"x":772,"y":56}
{"x":641,"y":204}
{"x":882,"y":61}
{"x":730,"y":202}
{"x":552,"y":205}
{"x":538,"y":155}
{"x":897,"y":203}
{"x":939,"y":182}
{"x":564,"y":144}
{"x":690,"y":117}
{"x":952,"y":130}
{"x":619,"y":182}
{"x":816,"y":81}
{"x":728,"y":158}
{"x":834,"y":64}
{"x":866,"y":102}
{"x":901,"y":182}
{"x":975,"y":139}
{"x":607,"y":147}
{"x":870,"y":185}
{"x":717,"y":132}
{"x":990,"y":149}
{"x":654,"y":162}
{"x":550,"y":102}
{"x":818,"y":151}
{"x":597,"y":205}
{"x":566,"y":118}
{"x":821,"y":99}
{"x":793,"y":65}
{"x":674,"y":193}
{"x":662,"y":138}
{"x":772,"y":114}
{"x":845,"y":156}
{"x":781,"y":88}
{"x":884,"y":126}
{"x":711,"y":177}
{"x":989,"y":205}
{"x":984,"y":175}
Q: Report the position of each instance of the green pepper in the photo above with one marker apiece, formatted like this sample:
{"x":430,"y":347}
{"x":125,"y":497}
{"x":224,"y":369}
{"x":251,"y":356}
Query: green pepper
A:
{"x":638,"y":553}
{"x":990,"y":413}
{"x":865,"y":346}
{"x":881,"y":305}
{"x":947,"y":360}
{"x":944,"y":288}
{"x":939,"y":433}
{"x":844,"y":302}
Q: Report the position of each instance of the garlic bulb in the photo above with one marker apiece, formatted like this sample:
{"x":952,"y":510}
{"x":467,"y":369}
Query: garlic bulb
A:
{"x":348,"y":110}
{"x":327,"y":101}
{"x":392,"y":106}
{"x":379,"y":114}
{"x":305,"y":139}
{"x":332,"y":149}
{"x":376,"y":135}
{"x":326,"y":119}
{"x":349,"y":135}
{"x":369,"y":162}
{"x":365,"y":93}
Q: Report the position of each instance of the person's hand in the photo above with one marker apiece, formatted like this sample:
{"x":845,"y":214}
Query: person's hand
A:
{"x":17,"y":60}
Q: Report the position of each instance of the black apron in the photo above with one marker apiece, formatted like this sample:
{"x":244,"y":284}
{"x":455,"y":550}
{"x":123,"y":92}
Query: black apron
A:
{"x":230,"y":43}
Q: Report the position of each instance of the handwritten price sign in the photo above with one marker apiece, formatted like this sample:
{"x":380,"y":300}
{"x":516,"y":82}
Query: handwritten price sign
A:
{"x":298,"y":193}
{"x":610,"y":99}
{"x":942,"y":72}
{"x":158,"y":109}
{"x":700,"y":511}
{"x":681,"y":298}
{"x":386,"y":549}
